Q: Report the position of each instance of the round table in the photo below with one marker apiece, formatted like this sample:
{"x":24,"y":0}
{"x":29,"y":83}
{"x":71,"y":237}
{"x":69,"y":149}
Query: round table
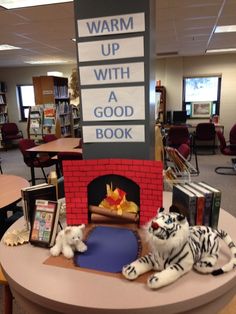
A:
{"x":10,"y":189}
{"x":41,"y":288}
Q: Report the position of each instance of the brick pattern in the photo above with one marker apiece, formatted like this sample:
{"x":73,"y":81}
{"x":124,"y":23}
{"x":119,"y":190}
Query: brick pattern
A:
{"x":147,"y":174}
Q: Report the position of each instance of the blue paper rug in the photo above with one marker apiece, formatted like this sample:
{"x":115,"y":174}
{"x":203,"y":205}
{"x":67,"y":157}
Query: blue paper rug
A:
{"x":109,"y":249}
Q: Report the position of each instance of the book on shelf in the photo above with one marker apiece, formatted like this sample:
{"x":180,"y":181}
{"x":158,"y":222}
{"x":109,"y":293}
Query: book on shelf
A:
{"x":216,"y":202}
{"x":49,"y":112}
{"x":184,"y":201}
{"x":43,"y":191}
{"x":45,"y":223}
{"x":35,"y":122}
{"x":208,"y":195}
{"x":200,"y":204}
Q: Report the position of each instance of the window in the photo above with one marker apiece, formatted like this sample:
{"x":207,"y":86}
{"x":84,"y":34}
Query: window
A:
{"x":26,"y":100}
{"x":201,"y":96}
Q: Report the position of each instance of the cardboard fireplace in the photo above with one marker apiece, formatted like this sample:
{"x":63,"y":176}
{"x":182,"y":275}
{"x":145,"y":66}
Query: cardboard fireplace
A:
{"x":123,"y":188}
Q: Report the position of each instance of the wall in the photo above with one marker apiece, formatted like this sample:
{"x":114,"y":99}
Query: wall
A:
{"x":23,"y":75}
{"x":171,"y":71}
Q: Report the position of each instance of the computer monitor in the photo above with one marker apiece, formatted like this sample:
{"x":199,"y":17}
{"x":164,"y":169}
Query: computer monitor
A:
{"x":179,"y":117}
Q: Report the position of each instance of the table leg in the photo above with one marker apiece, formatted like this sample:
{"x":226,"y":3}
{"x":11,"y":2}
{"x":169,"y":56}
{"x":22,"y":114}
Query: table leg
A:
{"x":7,"y":300}
{"x":32,"y":175}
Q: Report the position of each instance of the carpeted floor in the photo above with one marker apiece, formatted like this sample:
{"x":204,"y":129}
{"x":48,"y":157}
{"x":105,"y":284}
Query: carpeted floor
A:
{"x":12,"y":163}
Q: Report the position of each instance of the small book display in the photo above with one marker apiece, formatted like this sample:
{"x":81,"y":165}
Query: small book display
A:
{"x":49,"y":119}
{"x":35,"y":123}
{"x":45,"y":223}
{"x":30,"y":194}
{"x":198,"y":201}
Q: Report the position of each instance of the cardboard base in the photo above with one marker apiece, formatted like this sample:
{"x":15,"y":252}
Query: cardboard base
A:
{"x":61,"y":261}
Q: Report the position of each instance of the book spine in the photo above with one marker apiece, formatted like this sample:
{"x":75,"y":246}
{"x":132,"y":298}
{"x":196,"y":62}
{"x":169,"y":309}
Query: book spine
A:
{"x":207,"y":209}
{"x":200,"y":210}
{"x":25,"y":209}
{"x":192,"y":210}
{"x":215,"y":211}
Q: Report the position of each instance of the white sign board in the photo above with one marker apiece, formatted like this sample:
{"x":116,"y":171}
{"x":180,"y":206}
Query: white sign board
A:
{"x":113,"y":133}
{"x":111,"y":49}
{"x":112,"y":73}
{"x":102,"y":104}
{"x":109,"y":25}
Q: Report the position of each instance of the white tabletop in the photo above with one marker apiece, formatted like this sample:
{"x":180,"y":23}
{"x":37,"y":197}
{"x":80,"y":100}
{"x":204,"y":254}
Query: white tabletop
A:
{"x":67,"y":290}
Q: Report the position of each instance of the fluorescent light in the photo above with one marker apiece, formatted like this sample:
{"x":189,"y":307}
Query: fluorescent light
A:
{"x":14,"y":4}
{"x":225,"y":29}
{"x":54,"y":73}
{"x":8,"y":47}
{"x":221,"y":50}
{"x":46,"y":61}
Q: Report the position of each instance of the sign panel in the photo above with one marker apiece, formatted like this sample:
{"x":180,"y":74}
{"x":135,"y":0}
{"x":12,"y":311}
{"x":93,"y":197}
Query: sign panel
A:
{"x":101,"y":104}
{"x":117,"y":24}
{"x":111,"y":49}
{"x":112,"y":73}
{"x":113,"y":133}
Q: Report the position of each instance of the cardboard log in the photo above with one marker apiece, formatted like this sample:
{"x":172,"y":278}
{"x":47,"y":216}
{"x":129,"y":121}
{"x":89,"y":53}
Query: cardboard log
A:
{"x":112,"y":213}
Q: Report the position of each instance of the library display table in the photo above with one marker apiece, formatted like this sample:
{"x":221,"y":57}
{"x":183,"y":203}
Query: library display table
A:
{"x":64,"y":144}
{"x":41,"y":288}
{"x":10,"y":189}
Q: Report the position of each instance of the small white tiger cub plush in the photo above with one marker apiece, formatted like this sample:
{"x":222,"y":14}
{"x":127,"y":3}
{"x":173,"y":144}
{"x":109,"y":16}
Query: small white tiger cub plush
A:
{"x":176,"y":248}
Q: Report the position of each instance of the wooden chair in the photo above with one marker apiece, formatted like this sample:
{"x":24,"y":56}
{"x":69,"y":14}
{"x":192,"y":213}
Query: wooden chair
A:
{"x":7,"y":295}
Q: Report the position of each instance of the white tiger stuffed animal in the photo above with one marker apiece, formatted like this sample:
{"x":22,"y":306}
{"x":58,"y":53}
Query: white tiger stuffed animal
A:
{"x":176,"y":248}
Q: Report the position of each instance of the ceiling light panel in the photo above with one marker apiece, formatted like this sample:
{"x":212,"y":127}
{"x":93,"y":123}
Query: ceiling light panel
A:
{"x":8,"y":47}
{"x":225,"y":29}
{"x":221,"y":50}
{"x":15,"y":4}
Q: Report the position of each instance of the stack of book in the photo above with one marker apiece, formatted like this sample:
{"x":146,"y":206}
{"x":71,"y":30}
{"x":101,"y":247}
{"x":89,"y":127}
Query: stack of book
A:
{"x":198,"y":201}
{"x":41,"y":212}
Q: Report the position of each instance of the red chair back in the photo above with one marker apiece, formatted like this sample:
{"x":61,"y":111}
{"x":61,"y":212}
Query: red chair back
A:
{"x":232,"y":135}
{"x":184,"y":150}
{"x":205,"y":131}
{"x":25,"y":144}
{"x":178,"y":135}
{"x":10,"y":128}
{"x":49,"y":138}
{"x":221,"y":139}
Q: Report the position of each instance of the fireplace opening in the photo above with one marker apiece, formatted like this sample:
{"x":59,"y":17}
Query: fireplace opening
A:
{"x":113,"y":199}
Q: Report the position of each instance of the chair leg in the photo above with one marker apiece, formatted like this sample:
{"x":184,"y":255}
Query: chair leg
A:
{"x":196,"y":162}
{"x":228,"y":171}
{"x":44,"y":174}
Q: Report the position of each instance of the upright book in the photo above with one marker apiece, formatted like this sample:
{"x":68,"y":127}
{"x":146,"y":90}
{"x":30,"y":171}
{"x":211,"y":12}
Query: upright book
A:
{"x":45,"y":223}
{"x":216,"y":201}
{"x":184,"y":202}
{"x":200,"y":204}
{"x":43,"y":191}
{"x":208,"y":202}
